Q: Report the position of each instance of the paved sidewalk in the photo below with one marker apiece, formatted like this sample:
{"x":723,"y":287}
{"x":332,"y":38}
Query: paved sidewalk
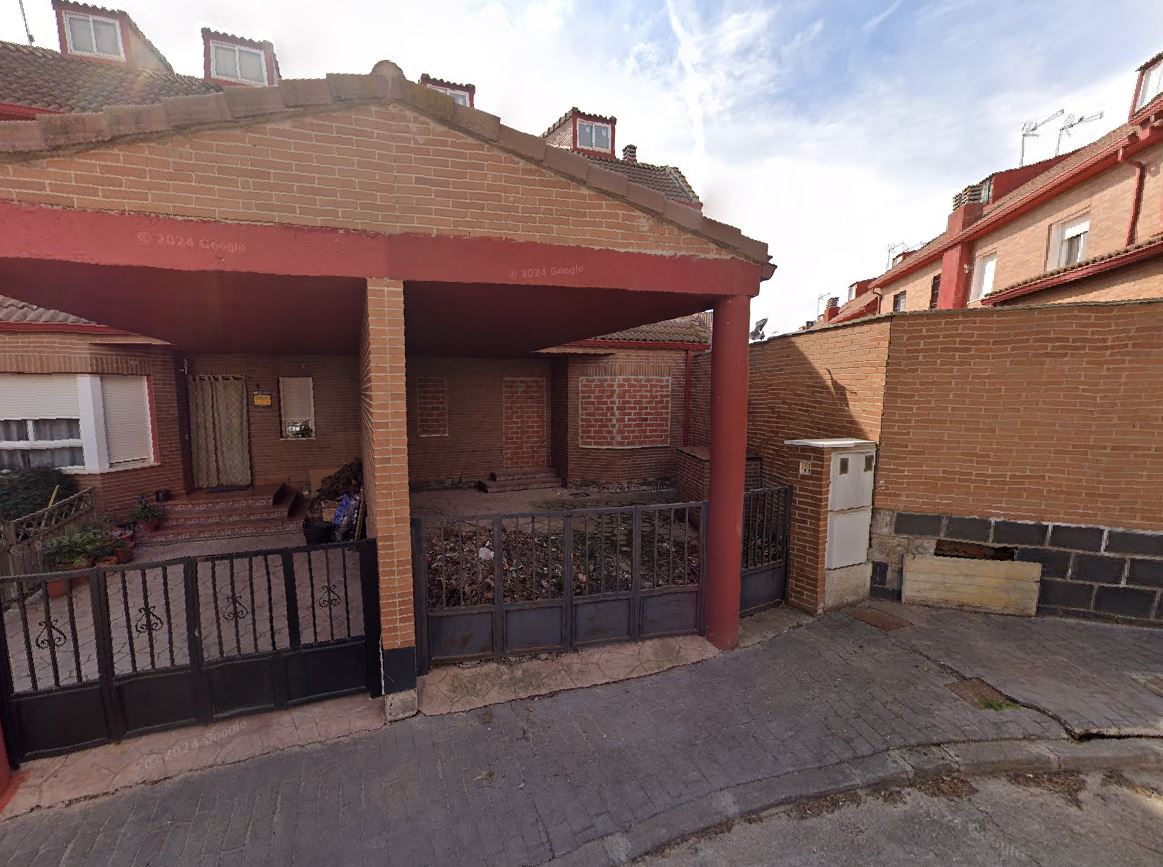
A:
{"x":522,"y":782}
{"x":1094,"y":678}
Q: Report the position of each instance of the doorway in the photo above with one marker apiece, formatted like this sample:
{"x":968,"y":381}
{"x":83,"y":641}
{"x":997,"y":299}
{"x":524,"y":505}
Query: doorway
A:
{"x":219,"y":432}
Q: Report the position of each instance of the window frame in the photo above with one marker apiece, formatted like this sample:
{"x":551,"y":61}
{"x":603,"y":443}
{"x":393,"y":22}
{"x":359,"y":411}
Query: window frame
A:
{"x":1061,"y":233}
{"x":1155,"y":70}
{"x":283,"y":422}
{"x":456,"y":94}
{"x":934,"y":291}
{"x":32,"y":444}
{"x":977,"y":289}
{"x":215,"y":73}
{"x":89,"y":19}
{"x":594,"y":124}
{"x":902,"y":297}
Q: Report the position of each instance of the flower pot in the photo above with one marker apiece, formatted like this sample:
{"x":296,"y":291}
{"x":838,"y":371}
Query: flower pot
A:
{"x":58,"y":588}
{"x":124,"y":553}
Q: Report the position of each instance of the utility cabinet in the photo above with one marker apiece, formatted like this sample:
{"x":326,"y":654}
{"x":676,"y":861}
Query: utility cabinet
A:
{"x":850,"y":506}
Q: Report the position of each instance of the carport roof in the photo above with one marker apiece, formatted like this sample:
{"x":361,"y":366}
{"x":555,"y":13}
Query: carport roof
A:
{"x":237,"y":106}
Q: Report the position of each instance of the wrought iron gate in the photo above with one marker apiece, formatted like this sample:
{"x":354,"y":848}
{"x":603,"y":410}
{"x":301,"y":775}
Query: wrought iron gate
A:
{"x":499,"y":585}
{"x":107,"y":653}
{"x":766,"y":513}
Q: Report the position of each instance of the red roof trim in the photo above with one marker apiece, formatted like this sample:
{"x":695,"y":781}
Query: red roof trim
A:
{"x":601,"y":343}
{"x":1147,"y":136}
{"x":1126,"y":258}
{"x":9,"y":111}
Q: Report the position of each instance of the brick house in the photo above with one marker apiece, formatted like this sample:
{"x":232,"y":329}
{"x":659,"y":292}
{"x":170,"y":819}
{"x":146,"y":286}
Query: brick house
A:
{"x":1082,"y":226}
{"x":341,"y":266}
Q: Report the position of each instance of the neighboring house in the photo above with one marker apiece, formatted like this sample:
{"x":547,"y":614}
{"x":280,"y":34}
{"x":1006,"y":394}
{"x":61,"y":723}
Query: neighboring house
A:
{"x":1083,"y":226}
{"x":608,"y":411}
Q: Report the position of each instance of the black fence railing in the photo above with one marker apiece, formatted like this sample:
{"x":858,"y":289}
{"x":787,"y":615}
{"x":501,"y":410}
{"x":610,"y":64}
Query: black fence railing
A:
{"x":532,"y":582}
{"x":109,"y":652}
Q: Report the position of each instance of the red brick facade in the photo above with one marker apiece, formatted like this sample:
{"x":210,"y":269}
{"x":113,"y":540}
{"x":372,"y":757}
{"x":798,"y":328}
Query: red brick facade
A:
{"x":335,"y":387}
{"x":525,"y":422}
{"x":431,"y":406}
{"x":646,"y":454}
{"x":475,"y":395}
{"x":117,"y":491}
{"x":624,"y":411}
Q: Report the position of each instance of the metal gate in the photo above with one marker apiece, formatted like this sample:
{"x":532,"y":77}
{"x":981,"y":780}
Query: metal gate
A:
{"x":499,"y":585}
{"x":107,"y":653}
{"x":766,"y":512}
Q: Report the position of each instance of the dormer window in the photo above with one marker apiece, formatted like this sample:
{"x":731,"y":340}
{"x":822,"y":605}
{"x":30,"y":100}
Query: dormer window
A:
{"x":460,"y":97}
{"x":94,"y":36}
{"x":594,"y":136}
{"x":237,"y":63}
{"x":1152,"y":84}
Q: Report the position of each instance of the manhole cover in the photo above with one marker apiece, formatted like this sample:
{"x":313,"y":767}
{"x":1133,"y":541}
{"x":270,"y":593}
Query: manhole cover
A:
{"x":880,"y":619}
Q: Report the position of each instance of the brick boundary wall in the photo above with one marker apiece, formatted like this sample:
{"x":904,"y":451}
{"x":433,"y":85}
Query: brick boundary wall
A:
{"x":1103,"y":573}
{"x":1043,"y":415}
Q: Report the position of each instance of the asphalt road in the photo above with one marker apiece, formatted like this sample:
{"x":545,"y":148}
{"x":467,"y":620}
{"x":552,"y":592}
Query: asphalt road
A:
{"x":1060,"y":819}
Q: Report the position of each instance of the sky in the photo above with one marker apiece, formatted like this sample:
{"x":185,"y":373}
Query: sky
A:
{"x":831,"y":129}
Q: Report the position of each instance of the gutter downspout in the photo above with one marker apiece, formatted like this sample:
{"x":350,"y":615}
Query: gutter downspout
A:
{"x":1137,"y":202}
{"x":686,"y":398}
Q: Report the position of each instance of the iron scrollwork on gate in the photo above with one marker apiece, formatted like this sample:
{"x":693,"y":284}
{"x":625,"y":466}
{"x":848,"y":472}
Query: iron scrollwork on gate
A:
{"x":149,"y":621}
{"x":52,"y":634}
{"x":235,"y":610}
{"x":329,"y":598}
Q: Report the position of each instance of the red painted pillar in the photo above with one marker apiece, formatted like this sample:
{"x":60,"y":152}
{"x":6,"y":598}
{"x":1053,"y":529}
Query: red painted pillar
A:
{"x":728,"y":457}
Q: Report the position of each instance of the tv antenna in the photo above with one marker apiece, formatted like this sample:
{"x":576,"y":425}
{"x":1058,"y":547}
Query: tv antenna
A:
{"x":893,"y":249}
{"x":1073,"y":120}
{"x":24,"y":16}
{"x":1030,"y":130}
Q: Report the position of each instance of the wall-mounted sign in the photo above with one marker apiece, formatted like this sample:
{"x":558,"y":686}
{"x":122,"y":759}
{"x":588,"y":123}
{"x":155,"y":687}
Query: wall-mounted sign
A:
{"x":261,"y":398}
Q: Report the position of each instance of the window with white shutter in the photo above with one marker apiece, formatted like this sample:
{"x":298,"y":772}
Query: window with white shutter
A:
{"x":128,"y":431}
{"x":297,"y":407}
{"x":40,"y":422}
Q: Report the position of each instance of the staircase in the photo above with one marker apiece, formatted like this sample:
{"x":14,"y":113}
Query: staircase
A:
{"x":264,"y":510}
{"x":529,"y":480}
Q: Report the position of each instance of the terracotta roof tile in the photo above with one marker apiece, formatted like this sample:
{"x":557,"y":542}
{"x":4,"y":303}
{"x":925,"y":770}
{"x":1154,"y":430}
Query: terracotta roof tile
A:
{"x":21,"y":312}
{"x":685,"y":329}
{"x":1003,"y":294}
{"x":40,"y":78}
{"x":667,"y":180}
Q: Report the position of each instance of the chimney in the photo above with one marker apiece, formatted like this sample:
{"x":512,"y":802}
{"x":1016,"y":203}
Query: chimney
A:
{"x":968,"y":206}
{"x":630,"y":154}
{"x":831,"y":308}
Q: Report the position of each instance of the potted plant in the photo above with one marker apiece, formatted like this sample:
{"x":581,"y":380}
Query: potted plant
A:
{"x":147,"y":514}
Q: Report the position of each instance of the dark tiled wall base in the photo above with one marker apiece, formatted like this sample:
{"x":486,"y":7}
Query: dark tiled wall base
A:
{"x":1092,"y":572}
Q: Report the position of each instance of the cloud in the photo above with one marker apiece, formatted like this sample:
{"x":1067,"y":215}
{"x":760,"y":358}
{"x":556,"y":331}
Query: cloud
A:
{"x":824,"y":131}
{"x":878,"y":19}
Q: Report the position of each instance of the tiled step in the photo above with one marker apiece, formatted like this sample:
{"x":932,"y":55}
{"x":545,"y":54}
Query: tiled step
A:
{"x":189,"y":534}
{"x":222,"y":503}
{"x":492,"y":486}
{"x":522,"y":475}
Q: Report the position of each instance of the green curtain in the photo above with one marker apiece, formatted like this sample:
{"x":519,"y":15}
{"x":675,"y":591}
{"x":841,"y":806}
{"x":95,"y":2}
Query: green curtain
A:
{"x":218,"y":431}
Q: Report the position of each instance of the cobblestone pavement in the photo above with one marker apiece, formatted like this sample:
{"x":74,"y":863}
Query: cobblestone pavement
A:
{"x":521,"y":782}
{"x":1094,"y":678}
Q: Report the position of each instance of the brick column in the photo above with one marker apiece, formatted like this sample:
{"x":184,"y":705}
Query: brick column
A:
{"x":728,"y":456}
{"x":808,"y":529}
{"x":384,"y":442}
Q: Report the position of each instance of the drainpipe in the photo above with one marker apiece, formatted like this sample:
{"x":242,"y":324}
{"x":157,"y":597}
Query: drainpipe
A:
{"x":1137,"y":202}
{"x":686,"y":399}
